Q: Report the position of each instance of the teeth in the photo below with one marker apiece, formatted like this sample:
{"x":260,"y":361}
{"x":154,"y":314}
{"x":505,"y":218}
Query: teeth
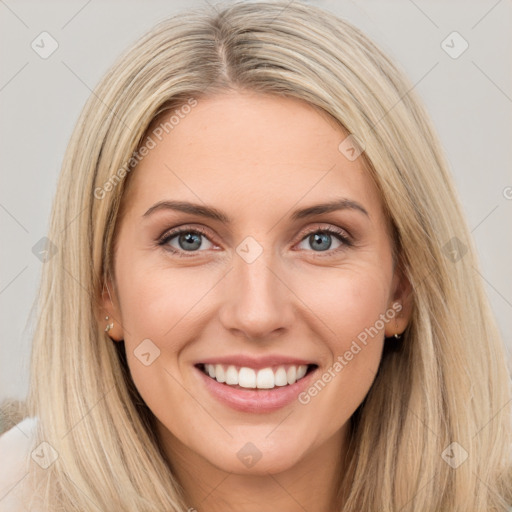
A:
{"x":301,"y":371}
{"x":280,"y":377}
{"x":291,"y":374}
{"x":220,"y":375}
{"x":231,"y":375}
{"x":266,"y":378}
{"x":247,"y":378}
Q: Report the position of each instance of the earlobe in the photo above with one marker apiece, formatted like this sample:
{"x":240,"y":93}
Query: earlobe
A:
{"x":394,"y":327}
{"x":110,"y":322}
{"x":109,"y":325}
{"x":401,"y":305}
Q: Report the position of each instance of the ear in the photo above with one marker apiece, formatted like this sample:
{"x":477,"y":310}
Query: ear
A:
{"x":401,"y":301}
{"x":110,"y":308}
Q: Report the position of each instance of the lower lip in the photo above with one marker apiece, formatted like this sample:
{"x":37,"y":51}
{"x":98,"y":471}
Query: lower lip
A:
{"x":256,"y":400}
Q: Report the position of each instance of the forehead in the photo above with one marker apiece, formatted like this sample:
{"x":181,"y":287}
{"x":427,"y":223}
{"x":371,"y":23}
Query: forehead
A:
{"x":250,"y":152}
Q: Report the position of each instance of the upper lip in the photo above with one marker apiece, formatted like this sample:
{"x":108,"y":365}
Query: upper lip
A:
{"x":243,"y":360}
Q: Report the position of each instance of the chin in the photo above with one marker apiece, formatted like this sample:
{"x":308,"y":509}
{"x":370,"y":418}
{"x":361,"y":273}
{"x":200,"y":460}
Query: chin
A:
{"x":257,"y":454}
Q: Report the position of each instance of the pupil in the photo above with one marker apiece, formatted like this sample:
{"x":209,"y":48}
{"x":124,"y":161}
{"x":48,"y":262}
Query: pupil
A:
{"x":322,"y":237}
{"x":189,"y":239}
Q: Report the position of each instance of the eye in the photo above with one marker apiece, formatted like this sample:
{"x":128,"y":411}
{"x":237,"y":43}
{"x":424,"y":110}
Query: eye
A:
{"x":321,"y":240}
{"x":181,"y":241}
{"x":187,"y":240}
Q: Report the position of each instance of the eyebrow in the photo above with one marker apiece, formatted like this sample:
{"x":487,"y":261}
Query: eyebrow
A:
{"x":215,"y":214}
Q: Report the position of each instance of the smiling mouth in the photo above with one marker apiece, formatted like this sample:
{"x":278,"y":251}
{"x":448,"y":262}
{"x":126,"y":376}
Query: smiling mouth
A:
{"x":242,"y":377}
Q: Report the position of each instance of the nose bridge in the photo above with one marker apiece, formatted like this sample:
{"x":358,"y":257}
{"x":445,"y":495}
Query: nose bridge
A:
{"x":257,"y":301}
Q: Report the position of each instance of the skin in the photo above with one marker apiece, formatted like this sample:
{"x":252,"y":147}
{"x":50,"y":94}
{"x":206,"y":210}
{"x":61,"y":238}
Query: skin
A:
{"x":257,"y":158}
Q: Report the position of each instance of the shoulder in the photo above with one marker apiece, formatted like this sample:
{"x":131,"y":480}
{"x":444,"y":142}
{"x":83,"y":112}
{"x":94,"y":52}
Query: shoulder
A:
{"x":16,"y":446}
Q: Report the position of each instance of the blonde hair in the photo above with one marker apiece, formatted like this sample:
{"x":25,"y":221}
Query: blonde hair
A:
{"x":447,"y":382}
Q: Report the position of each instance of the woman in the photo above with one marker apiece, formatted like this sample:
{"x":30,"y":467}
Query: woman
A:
{"x":264,"y":294}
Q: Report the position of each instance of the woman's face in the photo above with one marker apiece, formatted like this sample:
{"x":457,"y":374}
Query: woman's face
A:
{"x":260,"y":285}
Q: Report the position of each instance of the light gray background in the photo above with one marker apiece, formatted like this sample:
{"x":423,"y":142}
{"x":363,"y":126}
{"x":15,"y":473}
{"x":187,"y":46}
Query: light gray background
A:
{"x":469,"y":98}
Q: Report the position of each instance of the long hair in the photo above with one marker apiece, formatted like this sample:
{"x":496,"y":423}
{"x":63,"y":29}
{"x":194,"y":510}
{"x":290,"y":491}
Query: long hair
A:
{"x":444,"y":394}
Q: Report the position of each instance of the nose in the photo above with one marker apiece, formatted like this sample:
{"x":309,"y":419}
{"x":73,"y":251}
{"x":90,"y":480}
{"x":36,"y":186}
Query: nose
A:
{"x":258,"y":303}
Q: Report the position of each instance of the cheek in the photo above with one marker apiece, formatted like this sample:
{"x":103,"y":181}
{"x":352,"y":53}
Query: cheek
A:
{"x":158,"y":302}
{"x":162,"y":313}
{"x":347,"y":300}
{"x":349,"y":304}
{"x":157,"y":315}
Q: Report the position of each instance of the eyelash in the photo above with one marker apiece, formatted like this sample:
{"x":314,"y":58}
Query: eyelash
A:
{"x":339,"y":233}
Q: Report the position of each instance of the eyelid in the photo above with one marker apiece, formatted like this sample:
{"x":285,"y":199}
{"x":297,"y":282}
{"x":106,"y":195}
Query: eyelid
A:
{"x":171,"y":233}
{"x":324,"y":226}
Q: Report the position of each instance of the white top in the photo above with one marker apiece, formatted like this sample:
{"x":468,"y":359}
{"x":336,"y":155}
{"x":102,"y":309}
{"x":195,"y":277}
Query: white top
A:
{"x":16,"y":447}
